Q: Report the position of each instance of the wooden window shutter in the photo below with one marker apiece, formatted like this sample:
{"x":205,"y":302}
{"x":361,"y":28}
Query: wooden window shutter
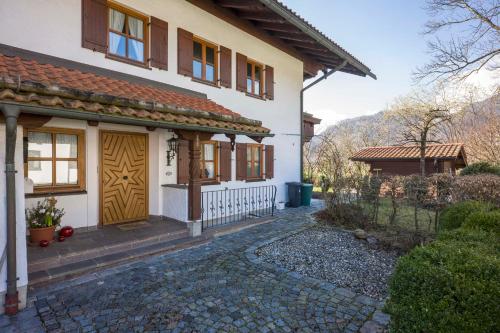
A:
{"x":225,"y":161}
{"x":225,"y":67}
{"x":184,"y":52}
{"x":269,"y":161}
{"x":183,"y":162}
{"x":241,"y":72}
{"x":241,"y":161}
{"x":94,"y":25}
{"x":159,"y":43}
{"x":269,"y":82}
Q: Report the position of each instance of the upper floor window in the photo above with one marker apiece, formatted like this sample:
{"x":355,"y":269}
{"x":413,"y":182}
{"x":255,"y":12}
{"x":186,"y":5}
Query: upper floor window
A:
{"x":254,"y":78}
{"x":126,"y":34}
{"x":55,"y":159}
{"x":208,"y":160}
{"x":204,"y":60}
{"x":254,"y":161}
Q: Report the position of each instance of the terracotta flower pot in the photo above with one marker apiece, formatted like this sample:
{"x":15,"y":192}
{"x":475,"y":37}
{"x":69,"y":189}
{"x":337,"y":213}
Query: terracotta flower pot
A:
{"x":39,"y":234}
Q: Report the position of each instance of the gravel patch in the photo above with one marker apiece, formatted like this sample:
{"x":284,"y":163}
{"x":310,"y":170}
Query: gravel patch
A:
{"x":335,"y":256}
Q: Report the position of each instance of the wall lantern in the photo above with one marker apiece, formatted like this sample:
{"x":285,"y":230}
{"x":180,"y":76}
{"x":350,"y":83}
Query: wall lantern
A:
{"x":172,"y":149}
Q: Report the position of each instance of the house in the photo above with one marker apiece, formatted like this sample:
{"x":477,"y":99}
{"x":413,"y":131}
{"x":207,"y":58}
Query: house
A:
{"x":127,"y":110}
{"x":309,"y":122}
{"x":405,"y":160}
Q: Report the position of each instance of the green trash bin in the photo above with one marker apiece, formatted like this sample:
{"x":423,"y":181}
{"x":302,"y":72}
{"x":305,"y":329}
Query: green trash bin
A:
{"x":307,"y":192}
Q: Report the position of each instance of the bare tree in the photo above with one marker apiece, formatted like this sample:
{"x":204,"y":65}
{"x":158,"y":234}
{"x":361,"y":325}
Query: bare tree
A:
{"x":473,"y":38}
{"x":420,"y":114}
{"x":477,"y":124}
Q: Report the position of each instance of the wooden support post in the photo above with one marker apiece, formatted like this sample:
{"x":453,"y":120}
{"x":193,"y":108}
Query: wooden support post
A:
{"x":194,"y":185}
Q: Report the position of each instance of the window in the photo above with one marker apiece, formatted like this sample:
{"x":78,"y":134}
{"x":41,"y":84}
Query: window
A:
{"x":55,"y":159}
{"x":204,"y":61}
{"x":254,"y":78}
{"x":126,"y":36}
{"x":208,"y":161}
{"x":254,"y":161}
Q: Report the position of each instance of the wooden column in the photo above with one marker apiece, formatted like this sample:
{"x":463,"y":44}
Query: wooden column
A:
{"x":194,"y":185}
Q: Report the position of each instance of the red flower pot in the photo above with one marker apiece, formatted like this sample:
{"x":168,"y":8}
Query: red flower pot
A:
{"x":44,"y":243}
{"x":66,"y":231}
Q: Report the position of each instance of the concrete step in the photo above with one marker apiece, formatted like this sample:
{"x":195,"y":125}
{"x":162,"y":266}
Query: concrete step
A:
{"x":75,"y":255}
{"x":48,"y":276}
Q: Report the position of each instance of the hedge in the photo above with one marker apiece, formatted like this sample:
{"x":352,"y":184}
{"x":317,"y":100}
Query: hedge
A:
{"x":454,"y":217}
{"x":483,"y":220}
{"x":480,"y":168}
{"x":447,"y":286}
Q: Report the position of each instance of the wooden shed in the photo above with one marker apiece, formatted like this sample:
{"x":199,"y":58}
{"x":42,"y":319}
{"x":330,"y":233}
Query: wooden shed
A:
{"x":405,"y":160}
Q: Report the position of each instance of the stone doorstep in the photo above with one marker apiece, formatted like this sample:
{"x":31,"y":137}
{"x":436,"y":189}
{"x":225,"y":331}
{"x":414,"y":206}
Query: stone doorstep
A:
{"x":49,"y":276}
{"x":77,"y":256}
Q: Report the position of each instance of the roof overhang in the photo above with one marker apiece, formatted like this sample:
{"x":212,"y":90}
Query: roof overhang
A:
{"x":279,"y":26}
{"x":311,"y":119}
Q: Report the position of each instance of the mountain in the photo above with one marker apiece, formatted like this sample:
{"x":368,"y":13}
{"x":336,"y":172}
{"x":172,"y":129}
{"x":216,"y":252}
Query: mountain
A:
{"x":478,"y":126}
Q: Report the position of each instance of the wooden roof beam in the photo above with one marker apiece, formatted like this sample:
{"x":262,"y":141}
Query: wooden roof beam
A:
{"x":298,"y":38}
{"x":260,"y":17}
{"x":278,"y":27}
{"x":240,"y":4}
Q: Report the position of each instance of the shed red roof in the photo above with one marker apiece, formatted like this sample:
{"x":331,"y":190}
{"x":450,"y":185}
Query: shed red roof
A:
{"x":439,"y":151}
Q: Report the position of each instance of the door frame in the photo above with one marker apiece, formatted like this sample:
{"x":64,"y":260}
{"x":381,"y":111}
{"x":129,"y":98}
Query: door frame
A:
{"x":101,"y":169}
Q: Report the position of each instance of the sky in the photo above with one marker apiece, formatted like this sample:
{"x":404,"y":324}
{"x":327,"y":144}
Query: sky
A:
{"x":385,"y":35}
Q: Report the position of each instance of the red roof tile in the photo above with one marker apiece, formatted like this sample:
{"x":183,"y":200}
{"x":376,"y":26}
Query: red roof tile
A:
{"x":440,"y":151}
{"x":13,"y":68}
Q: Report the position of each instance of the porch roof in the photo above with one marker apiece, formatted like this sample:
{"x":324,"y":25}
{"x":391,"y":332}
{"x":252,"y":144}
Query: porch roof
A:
{"x":31,"y":84}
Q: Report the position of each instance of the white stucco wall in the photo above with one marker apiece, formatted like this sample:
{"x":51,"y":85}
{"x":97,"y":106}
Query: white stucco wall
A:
{"x":22,"y":268}
{"x":60,"y":35}
{"x":55,"y":29}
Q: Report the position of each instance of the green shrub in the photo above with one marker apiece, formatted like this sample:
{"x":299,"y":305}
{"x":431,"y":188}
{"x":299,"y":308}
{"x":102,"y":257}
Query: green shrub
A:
{"x":454,"y":216}
{"x":447,"y":286}
{"x":469,"y":236}
{"x":487,"y":221}
{"x":480,"y":168}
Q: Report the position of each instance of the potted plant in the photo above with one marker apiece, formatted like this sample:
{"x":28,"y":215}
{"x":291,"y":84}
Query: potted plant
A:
{"x":43,"y":219}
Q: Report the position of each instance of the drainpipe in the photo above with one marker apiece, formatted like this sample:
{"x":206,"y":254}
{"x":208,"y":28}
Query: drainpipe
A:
{"x":11,"y":297}
{"x":326,"y":74}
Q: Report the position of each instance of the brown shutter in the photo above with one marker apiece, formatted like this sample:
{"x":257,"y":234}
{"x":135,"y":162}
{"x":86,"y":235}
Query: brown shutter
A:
{"x":241,"y":161}
{"x":269,"y":82}
{"x":184,"y":52}
{"x":241,"y":72}
{"x":159,"y":43}
{"x":225,"y":67}
{"x":183,"y":162}
{"x":225,"y":161}
{"x":95,"y":25}
{"x":269,"y":161}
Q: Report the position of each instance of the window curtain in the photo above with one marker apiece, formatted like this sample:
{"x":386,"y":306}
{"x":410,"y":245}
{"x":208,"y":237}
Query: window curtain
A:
{"x":117,"y":23}
{"x":136,"y":48}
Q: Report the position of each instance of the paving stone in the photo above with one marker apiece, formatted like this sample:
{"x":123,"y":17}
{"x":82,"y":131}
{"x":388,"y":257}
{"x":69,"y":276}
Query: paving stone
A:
{"x":216,"y":287}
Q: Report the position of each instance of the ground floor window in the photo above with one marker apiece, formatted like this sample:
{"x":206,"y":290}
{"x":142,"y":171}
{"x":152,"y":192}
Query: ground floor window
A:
{"x":208,"y":160}
{"x":254,"y":161}
{"x":55,"y":159}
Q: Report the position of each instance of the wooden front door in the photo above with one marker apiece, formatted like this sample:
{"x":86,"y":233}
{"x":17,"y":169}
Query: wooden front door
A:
{"x":124,"y":177}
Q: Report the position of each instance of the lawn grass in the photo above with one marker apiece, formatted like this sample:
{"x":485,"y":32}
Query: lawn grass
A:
{"x":405,"y":216}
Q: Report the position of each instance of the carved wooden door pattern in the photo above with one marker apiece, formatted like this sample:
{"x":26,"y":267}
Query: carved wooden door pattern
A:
{"x":124,"y":177}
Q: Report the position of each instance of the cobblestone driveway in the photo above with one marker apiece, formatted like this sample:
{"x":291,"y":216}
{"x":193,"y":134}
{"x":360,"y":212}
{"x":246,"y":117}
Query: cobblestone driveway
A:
{"x":217,"y":287}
